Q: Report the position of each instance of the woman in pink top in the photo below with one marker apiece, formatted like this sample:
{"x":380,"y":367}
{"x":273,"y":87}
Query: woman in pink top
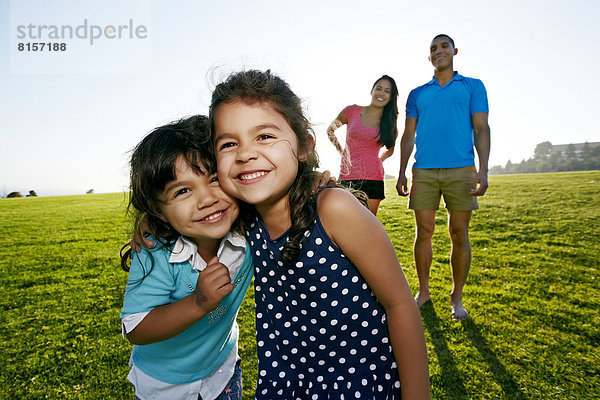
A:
{"x":369,"y":129}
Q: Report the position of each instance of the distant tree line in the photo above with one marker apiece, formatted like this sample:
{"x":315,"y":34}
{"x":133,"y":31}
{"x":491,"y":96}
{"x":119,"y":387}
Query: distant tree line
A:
{"x":550,"y":158}
{"x":32,"y":193}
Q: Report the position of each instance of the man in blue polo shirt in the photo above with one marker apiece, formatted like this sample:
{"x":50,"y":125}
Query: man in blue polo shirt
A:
{"x":446,"y":118}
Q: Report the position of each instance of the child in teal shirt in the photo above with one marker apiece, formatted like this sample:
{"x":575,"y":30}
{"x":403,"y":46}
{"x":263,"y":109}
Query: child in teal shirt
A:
{"x":183,"y":295}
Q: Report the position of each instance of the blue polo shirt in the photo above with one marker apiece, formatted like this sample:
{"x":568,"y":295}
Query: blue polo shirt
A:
{"x":444,"y":136}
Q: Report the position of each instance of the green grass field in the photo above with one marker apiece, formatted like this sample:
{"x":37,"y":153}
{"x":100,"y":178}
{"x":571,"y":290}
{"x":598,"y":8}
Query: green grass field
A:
{"x":533,"y":294}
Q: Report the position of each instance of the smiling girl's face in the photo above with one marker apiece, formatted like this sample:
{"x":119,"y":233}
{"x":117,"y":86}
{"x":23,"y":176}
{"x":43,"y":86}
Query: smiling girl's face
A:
{"x":257,"y":152}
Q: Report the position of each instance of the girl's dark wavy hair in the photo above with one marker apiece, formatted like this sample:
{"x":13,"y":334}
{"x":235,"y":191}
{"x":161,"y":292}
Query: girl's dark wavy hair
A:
{"x":153,"y":163}
{"x":251,"y":87}
{"x":388,"y":124}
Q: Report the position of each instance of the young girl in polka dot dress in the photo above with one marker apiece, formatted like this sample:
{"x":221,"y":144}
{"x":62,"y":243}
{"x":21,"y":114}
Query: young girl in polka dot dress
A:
{"x":335,"y":317}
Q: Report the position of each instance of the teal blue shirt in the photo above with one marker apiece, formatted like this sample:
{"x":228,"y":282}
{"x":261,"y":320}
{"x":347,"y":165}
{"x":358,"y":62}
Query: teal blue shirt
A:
{"x":444,"y":137}
{"x":202,"y":348}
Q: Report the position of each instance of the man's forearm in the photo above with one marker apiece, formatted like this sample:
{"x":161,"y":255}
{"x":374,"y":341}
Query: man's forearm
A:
{"x":406,"y":147}
{"x":482,"y":145}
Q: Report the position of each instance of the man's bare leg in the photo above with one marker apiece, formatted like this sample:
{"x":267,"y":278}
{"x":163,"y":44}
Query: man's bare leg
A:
{"x":460,"y":259}
{"x":423,"y":252}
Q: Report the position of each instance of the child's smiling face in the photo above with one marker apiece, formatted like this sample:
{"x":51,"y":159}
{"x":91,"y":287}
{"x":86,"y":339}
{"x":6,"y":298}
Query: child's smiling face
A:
{"x":257,"y":152}
{"x":195,"y":206}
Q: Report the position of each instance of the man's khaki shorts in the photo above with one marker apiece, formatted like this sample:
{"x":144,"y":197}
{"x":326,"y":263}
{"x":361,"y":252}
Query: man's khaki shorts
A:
{"x":428,"y":185}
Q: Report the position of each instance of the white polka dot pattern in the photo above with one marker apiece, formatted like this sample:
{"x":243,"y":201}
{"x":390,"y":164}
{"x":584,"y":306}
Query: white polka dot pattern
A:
{"x":321,"y":334}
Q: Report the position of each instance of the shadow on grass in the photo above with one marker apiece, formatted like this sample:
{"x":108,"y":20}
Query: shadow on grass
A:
{"x":501,"y":375}
{"x":451,"y":381}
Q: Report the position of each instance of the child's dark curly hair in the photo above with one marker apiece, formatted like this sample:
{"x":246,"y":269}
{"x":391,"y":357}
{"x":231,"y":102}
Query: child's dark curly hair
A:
{"x":152,"y":165}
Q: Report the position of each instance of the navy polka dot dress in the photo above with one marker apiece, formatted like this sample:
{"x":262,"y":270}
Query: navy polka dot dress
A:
{"x":321,"y":333}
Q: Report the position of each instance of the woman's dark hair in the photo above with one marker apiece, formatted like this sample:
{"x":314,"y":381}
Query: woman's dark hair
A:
{"x":251,"y":87}
{"x":388,"y":124}
{"x":153,"y":163}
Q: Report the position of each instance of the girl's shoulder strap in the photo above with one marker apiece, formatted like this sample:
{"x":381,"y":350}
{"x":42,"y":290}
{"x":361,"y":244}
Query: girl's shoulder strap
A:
{"x":332,"y":209}
{"x":320,"y":189}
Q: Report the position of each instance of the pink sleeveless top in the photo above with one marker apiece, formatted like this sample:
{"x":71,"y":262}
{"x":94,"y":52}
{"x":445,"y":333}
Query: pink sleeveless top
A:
{"x":361,"y":156}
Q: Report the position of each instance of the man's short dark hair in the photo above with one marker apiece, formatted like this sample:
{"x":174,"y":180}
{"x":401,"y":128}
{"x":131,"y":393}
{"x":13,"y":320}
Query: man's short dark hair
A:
{"x":446,"y":36}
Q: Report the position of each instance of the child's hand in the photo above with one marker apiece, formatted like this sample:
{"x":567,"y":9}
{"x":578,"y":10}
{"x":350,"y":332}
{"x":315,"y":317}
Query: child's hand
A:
{"x":324,"y":179}
{"x":139,"y":237}
{"x":213,"y":285}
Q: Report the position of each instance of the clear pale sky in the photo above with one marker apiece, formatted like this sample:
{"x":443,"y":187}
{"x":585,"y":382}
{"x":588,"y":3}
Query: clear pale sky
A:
{"x":68,"y":131}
